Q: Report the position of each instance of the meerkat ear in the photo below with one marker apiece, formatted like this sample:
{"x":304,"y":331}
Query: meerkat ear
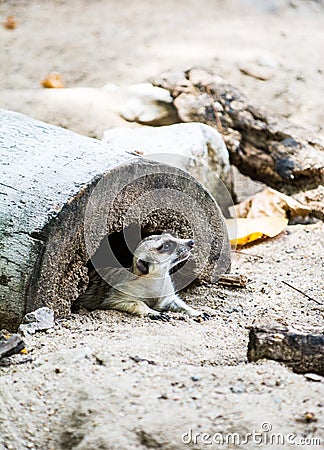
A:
{"x":142,"y":266}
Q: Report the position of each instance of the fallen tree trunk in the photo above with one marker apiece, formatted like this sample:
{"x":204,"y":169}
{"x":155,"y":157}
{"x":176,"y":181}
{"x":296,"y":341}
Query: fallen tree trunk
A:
{"x":65,"y":198}
{"x":263,"y":146}
{"x":302,"y":352}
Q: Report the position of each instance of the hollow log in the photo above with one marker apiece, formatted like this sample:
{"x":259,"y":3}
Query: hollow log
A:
{"x":266,"y":147}
{"x":49,"y":195}
{"x":302,"y":352}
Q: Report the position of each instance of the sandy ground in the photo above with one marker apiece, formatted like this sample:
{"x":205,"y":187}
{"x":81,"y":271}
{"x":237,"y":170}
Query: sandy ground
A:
{"x":104,"y":380}
{"x":123,"y":42}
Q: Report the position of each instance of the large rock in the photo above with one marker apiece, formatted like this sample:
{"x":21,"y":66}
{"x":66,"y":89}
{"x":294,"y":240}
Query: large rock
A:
{"x":195,"y":147}
{"x":65,"y":197}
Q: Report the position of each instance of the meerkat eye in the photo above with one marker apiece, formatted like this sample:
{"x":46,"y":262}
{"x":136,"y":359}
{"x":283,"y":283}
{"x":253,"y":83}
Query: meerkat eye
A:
{"x":166,"y":246}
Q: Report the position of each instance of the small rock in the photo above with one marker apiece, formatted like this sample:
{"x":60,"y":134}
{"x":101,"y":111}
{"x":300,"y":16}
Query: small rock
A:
{"x":51,"y":330}
{"x":313,"y":377}
{"x":196,"y":378}
{"x":238,"y":389}
{"x":39,"y":320}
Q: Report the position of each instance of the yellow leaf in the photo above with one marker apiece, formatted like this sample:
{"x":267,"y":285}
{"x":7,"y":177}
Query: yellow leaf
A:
{"x":10,"y":23}
{"x":242,"y":231}
{"x":53,"y":80}
{"x":24,"y":351}
{"x":269,"y":203}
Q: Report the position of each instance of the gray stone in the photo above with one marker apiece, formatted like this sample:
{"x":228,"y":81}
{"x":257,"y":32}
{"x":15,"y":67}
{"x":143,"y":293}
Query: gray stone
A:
{"x":39,"y":320}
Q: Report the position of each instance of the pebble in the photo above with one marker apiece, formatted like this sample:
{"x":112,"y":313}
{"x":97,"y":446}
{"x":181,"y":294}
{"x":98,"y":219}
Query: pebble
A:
{"x":51,"y":330}
{"x":238,"y":389}
{"x":313,"y":377}
{"x":196,"y":378}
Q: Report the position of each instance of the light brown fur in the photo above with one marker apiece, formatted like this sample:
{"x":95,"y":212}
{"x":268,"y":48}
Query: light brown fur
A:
{"x":146,"y":290}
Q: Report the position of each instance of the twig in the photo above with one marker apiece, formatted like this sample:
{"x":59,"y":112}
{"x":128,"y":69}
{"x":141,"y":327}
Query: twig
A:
{"x":137,"y":359}
{"x":301,"y":292}
{"x":233,"y":280}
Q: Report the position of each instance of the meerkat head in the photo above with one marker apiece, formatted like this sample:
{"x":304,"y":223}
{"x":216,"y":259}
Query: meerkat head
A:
{"x":157,"y":254}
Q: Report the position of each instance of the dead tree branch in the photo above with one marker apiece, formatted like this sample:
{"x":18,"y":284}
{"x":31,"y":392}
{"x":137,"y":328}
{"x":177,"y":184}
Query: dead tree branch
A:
{"x":263,"y":146}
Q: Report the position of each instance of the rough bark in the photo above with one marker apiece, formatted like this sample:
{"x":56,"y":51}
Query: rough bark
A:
{"x":314,"y":199}
{"x":302,"y":352}
{"x":263,"y":146}
{"x":47,"y":183}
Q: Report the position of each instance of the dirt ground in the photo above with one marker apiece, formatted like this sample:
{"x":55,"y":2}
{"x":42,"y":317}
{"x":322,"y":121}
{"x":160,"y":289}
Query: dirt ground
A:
{"x":124,"y":42}
{"x":104,"y":380}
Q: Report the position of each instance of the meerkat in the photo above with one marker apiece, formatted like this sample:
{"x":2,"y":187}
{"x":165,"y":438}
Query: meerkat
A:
{"x":146,"y":289}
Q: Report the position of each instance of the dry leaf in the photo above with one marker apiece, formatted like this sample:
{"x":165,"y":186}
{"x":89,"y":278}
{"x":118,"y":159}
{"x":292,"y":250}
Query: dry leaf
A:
{"x":53,"y":80}
{"x":242,"y":231}
{"x":269,"y":203}
{"x":10,"y":23}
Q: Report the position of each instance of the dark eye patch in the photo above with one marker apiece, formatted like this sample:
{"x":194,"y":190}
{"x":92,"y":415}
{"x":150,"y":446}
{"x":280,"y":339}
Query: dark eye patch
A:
{"x":167,"y":247}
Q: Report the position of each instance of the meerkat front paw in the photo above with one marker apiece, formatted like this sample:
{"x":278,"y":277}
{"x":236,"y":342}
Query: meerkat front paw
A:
{"x":159,"y":316}
{"x":202,"y":317}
